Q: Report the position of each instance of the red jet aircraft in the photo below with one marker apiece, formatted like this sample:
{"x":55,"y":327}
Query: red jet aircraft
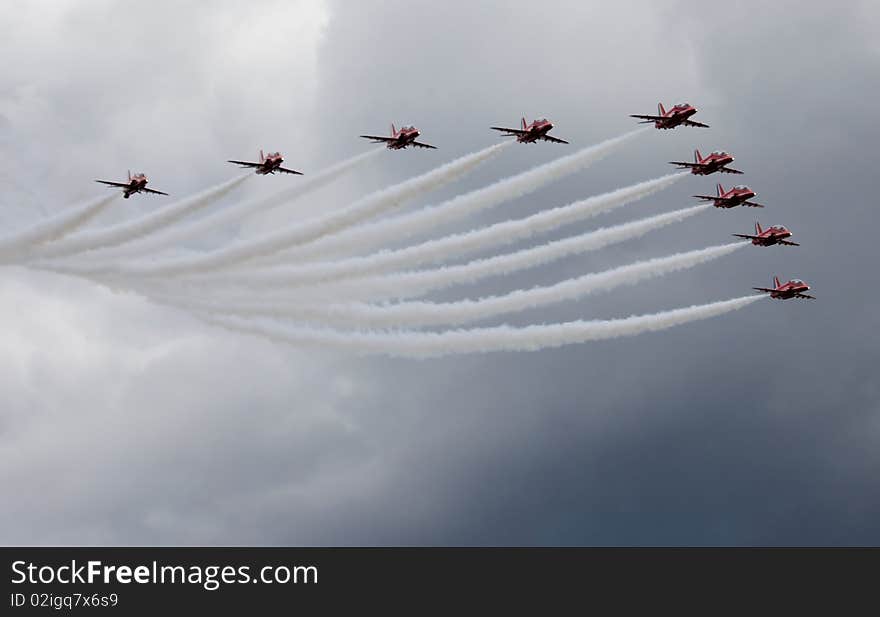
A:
{"x":737,"y":196}
{"x":775,"y":234}
{"x":716,"y":161}
{"x":530,"y":133}
{"x":677,"y":116}
{"x":795,"y":288}
{"x":136,"y":184}
{"x":268,"y":164}
{"x":401,"y":139}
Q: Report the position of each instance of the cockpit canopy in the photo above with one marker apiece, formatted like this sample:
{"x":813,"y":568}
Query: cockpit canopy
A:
{"x":741,"y":187}
{"x":407,"y":127}
{"x":682,"y":105}
{"x":541,"y":120}
{"x":797,"y":281}
{"x":274,"y":155}
{"x":720,"y":153}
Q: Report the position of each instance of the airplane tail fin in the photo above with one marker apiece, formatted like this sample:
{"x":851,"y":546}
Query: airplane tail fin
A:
{"x":720,"y":189}
{"x":758,"y":229}
{"x":262,"y":156}
{"x":775,"y":281}
{"x":524,"y":123}
{"x":697,"y":156}
{"x":129,"y":175}
{"x":661,"y":111}
{"x":393,"y":130}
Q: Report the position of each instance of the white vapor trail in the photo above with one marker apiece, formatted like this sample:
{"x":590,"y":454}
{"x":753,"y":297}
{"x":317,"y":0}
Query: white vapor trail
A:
{"x":54,"y":228}
{"x":367,"y":237}
{"x":236,"y":212}
{"x":414,"y":314}
{"x":477,"y":340}
{"x":414,"y":283}
{"x":455,"y":245}
{"x":312,"y":229}
{"x":128,"y":230}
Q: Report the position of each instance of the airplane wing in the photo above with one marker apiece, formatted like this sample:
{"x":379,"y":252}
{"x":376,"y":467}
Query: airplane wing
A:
{"x":708,"y":197}
{"x":508,"y":131}
{"x":764,"y":289}
{"x":246,"y":163}
{"x":121,"y":185}
{"x":555,"y":140}
{"x":683,"y":164}
{"x":728,"y":170}
{"x":418,"y":144}
{"x":154,"y":192}
{"x":692,"y":123}
{"x":646,"y":119}
{"x":808,"y":297}
{"x":284,"y":170}
{"x":788,"y":243}
{"x":378,"y":139}
{"x":746,"y":236}
{"x":752,"y":204}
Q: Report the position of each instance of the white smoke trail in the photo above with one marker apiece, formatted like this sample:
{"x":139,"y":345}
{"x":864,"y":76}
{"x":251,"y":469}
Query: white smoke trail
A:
{"x":414,"y":283}
{"x":325,"y":273}
{"x":311,"y":229}
{"x":369,"y":236}
{"x":13,"y":246}
{"x":128,"y":230}
{"x":233,"y":213}
{"x":477,"y":340}
{"x":414,"y":314}
{"x":455,"y":245}
{"x":405,"y":284}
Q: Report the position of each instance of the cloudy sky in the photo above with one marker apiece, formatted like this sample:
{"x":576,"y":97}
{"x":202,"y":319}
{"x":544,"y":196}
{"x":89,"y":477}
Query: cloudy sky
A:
{"x":124,"y":422}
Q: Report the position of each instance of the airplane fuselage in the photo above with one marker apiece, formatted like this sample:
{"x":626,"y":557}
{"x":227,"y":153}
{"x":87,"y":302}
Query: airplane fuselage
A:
{"x":675,"y":119}
{"x":789,"y":290}
{"x":403,"y":139}
{"x":135,"y":186}
{"x":788,"y":293}
{"x":771,"y":239}
{"x":269,"y":166}
{"x":711,"y":165}
{"x":536,"y":131}
{"x":734,"y":199}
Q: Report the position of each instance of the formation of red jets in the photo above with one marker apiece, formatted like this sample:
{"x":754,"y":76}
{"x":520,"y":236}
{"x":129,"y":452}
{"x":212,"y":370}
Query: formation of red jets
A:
{"x":739,"y":195}
{"x":529,"y":133}
{"x":399,"y":139}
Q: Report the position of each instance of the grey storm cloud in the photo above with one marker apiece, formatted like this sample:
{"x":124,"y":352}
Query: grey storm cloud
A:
{"x":127,"y":422}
